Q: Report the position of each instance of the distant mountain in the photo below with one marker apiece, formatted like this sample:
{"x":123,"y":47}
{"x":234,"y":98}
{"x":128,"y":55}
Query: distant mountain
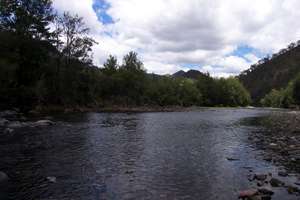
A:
{"x":273,"y":72}
{"x":192,"y":74}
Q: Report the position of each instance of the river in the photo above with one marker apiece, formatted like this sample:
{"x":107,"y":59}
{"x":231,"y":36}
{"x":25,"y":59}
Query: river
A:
{"x":162,"y":155}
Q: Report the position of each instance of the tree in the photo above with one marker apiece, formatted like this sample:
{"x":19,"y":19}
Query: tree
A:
{"x":131,"y":62}
{"x":296,"y":90}
{"x":78,"y":44}
{"x":111,"y":65}
{"x":28,"y":18}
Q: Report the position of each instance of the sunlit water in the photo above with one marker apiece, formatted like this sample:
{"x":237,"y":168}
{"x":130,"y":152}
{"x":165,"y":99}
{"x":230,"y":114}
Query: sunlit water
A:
{"x":176,"y":155}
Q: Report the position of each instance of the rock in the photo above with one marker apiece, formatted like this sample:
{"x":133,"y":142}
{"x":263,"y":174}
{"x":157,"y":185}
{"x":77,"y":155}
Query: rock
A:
{"x":246,"y":194}
{"x":232,"y":159}
{"x":43,"y":123}
{"x":274,"y":146}
{"x":282,"y":173}
{"x":51,"y":179}
{"x":260,"y":183}
{"x":260,"y":177}
{"x":276,"y":182}
{"x":3,"y":177}
{"x":265,"y":191}
{"x":292,"y":189}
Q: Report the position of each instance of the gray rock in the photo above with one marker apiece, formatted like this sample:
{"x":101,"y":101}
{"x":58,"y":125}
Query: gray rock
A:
{"x":276,"y":182}
{"x":282,"y":173}
{"x":51,"y":179}
{"x":43,"y":123}
{"x":260,"y":177}
{"x":3,"y":177}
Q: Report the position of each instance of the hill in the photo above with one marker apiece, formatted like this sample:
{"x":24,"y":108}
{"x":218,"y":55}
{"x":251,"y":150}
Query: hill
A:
{"x":192,"y":74}
{"x":273,"y":72}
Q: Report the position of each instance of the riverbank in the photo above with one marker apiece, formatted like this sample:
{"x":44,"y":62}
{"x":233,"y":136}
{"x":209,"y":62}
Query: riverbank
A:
{"x":280,"y":139}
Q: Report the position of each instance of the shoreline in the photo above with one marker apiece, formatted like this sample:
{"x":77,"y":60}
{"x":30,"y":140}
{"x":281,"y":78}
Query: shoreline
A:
{"x":119,"y":109}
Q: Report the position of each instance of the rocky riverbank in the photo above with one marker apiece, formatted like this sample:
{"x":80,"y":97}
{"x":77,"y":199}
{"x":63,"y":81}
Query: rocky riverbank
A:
{"x":279,"y":139}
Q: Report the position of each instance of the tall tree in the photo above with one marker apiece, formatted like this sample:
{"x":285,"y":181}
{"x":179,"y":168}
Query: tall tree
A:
{"x":131,"y":62}
{"x":78,"y":44}
{"x":110,"y":65}
{"x":30,"y":18}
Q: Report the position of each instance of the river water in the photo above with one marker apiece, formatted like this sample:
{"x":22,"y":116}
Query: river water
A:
{"x":171,"y":155}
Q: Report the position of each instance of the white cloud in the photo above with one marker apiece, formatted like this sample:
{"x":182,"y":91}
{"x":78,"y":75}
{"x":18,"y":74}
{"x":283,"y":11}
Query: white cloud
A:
{"x":172,"y":33}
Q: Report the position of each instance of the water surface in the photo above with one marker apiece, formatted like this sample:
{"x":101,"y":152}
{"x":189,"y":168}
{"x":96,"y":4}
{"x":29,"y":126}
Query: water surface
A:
{"x":176,"y":155}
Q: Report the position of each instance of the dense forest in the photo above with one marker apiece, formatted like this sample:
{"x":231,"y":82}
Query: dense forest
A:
{"x":46,"y":59}
{"x":272,"y":76}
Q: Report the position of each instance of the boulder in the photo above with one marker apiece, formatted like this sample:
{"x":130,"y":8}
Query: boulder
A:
{"x":276,"y":182}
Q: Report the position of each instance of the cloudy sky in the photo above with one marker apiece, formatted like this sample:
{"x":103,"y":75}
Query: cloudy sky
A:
{"x":223,"y":37}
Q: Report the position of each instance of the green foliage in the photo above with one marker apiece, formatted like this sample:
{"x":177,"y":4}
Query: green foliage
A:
{"x":296,"y":90}
{"x":232,"y":93}
{"x":272,"y":72}
{"x":38,"y":67}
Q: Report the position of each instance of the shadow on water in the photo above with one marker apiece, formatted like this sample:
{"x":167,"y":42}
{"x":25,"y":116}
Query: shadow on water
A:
{"x":179,"y":155}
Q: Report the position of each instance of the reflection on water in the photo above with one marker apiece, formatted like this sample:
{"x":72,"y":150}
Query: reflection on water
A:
{"x":93,"y":156}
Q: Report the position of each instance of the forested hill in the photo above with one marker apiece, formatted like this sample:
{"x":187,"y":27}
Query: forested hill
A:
{"x":273,"y":72}
{"x":192,"y":74}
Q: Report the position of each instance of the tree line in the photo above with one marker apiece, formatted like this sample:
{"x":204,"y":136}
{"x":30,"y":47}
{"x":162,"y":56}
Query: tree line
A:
{"x":46,"y":59}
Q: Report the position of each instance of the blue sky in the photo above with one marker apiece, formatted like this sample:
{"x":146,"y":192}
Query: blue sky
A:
{"x":223,"y":37}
